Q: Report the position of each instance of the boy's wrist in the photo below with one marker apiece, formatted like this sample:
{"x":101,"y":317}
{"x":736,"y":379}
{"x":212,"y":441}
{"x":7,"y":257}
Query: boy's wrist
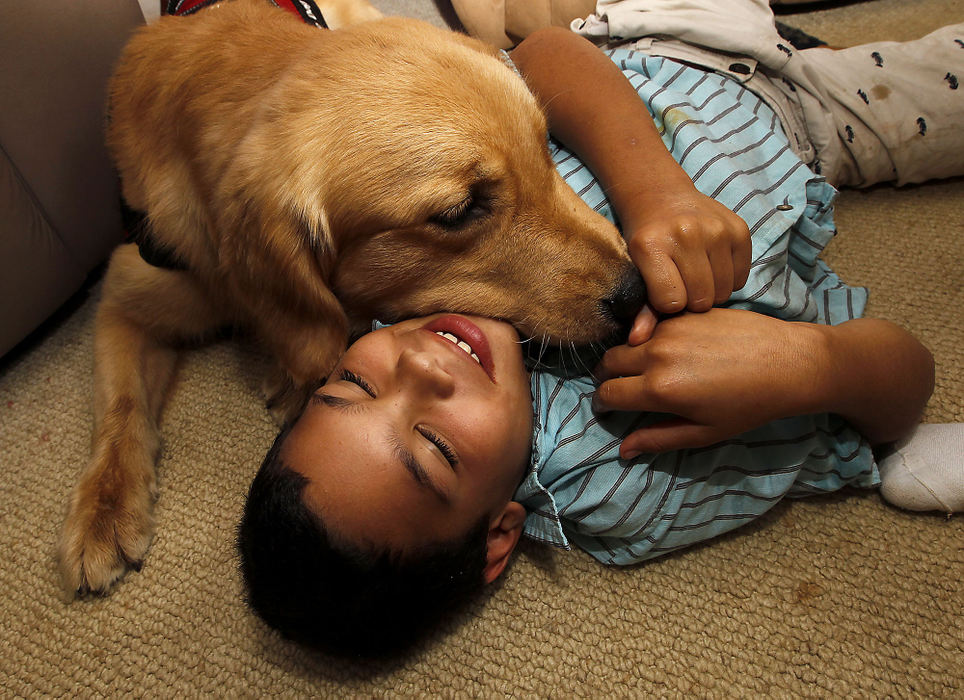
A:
{"x":842,"y":383}
{"x":823,"y":383}
{"x":635,"y":206}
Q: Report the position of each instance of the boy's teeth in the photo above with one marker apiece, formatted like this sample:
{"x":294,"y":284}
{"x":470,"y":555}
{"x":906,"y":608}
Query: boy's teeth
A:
{"x":461,"y":343}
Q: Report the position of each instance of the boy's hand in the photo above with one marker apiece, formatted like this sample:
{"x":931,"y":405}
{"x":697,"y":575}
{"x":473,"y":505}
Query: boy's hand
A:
{"x":691,"y":250}
{"x":720,"y":373}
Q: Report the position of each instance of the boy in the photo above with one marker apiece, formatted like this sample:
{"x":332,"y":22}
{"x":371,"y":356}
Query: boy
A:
{"x":411,"y":475}
{"x":397,"y":493}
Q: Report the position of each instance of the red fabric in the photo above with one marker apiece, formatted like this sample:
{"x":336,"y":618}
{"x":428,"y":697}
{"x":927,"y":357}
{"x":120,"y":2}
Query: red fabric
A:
{"x":306,"y":10}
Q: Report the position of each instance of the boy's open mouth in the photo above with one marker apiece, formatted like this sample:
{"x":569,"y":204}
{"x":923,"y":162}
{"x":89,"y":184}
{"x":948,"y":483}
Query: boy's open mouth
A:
{"x":467,"y":336}
{"x":461,"y":343}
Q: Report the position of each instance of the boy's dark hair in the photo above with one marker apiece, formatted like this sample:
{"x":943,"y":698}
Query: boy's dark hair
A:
{"x":319,"y":590}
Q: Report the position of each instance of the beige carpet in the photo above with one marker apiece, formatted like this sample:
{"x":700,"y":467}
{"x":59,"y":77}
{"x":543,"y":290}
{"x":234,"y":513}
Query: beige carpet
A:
{"x":835,"y":597}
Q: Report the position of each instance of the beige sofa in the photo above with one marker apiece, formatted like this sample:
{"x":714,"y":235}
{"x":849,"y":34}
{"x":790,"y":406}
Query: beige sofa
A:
{"x":59,"y":214}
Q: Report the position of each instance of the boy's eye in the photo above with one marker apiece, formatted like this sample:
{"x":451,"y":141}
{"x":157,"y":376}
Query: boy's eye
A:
{"x":442,"y":446}
{"x":348,"y":376}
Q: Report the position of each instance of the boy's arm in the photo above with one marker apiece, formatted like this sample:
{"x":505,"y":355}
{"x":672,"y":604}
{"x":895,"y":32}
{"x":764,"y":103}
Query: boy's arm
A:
{"x":728,"y":371}
{"x":691,"y":250}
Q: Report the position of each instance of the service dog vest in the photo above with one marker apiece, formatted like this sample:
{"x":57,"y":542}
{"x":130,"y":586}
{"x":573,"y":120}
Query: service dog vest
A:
{"x":307,"y":10}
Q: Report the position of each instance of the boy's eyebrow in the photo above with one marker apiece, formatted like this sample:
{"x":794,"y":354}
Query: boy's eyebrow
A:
{"x":404,"y":455}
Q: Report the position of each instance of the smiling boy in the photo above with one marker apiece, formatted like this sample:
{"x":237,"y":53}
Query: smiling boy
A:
{"x":390,"y":500}
{"x":409,"y":479}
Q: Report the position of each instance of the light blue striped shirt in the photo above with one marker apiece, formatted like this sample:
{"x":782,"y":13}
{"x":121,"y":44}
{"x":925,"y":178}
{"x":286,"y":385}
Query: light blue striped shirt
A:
{"x":578,"y":490}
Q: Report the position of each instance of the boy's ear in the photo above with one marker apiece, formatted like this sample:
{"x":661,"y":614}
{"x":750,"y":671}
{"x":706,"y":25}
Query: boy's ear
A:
{"x":504,"y":533}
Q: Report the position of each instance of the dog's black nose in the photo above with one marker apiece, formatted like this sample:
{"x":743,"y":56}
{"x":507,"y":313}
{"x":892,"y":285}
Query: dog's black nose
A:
{"x":628,"y":298}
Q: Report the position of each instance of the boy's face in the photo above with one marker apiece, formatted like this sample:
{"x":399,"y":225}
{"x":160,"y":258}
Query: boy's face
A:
{"x":413,"y":439}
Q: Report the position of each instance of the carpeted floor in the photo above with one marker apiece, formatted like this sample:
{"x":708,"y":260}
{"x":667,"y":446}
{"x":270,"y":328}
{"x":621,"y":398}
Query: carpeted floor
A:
{"x":840,"y":596}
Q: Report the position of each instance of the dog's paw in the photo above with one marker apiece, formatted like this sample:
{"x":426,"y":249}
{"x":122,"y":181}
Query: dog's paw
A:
{"x":108,"y":528}
{"x":283,"y":398}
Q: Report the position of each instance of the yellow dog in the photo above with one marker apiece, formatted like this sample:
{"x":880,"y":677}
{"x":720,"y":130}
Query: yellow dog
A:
{"x":303,"y":182}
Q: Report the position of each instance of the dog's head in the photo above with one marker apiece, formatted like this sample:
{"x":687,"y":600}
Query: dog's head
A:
{"x":424,"y":183}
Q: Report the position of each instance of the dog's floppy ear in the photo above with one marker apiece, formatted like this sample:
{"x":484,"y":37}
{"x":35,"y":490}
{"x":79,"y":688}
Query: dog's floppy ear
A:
{"x":276,"y":264}
{"x":272,"y":252}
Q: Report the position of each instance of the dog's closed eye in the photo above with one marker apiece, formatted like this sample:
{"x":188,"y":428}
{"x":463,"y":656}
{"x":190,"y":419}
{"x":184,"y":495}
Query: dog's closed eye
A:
{"x":470,"y":209}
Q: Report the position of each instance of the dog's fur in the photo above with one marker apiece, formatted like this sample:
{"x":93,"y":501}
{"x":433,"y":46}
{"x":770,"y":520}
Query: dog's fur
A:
{"x":309,"y":181}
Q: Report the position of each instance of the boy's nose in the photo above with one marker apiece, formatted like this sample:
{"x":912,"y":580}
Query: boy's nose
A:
{"x":423,"y":370}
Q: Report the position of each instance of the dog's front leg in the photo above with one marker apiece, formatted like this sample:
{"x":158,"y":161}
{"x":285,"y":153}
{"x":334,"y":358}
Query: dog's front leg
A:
{"x":143,"y":311}
{"x":283,"y":398}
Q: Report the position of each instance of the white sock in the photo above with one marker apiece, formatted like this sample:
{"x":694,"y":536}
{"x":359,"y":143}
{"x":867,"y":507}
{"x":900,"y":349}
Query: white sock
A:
{"x":926,"y":469}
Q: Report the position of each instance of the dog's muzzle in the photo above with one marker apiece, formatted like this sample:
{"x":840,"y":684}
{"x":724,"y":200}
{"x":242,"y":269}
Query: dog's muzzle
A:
{"x":621,"y":308}
{"x":627,"y":299}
